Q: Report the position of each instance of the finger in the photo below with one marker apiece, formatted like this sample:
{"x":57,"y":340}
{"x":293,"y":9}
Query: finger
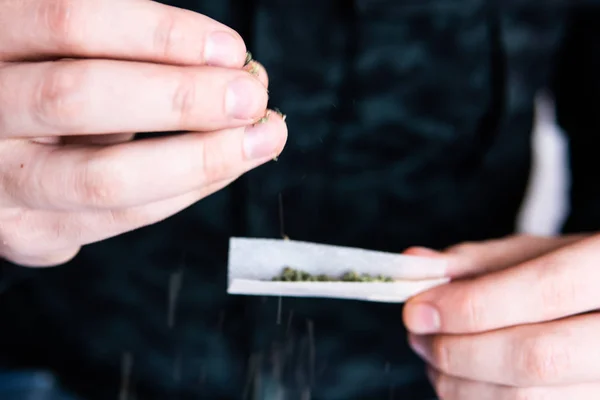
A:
{"x":100,"y":97}
{"x":562,"y":352}
{"x":451,"y":388}
{"x":38,"y":238}
{"x":258,"y":70}
{"x":130,"y":30}
{"x":52,"y":258}
{"x":86,"y":228}
{"x":477,"y":258}
{"x":135,"y":173}
{"x":562,"y":283}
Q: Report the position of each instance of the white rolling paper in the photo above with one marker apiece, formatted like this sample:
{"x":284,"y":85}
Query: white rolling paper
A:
{"x":254,"y":262}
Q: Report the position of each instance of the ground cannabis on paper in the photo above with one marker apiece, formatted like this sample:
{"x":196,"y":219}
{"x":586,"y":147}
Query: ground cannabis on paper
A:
{"x":294,"y":275}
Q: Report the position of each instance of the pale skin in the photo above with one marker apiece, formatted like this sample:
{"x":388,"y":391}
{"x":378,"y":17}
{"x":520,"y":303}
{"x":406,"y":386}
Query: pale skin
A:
{"x":78,"y":79}
{"x":519,"y":321}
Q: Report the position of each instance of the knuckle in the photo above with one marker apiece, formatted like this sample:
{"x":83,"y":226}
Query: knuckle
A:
{"x":59,"y":18}
{"x":63,"y":230}
{"x":542,"y":361}
{"x":167,"y":36}
{"x":99,"y":185}
{"x":57,"y":103}
{"x":184,"y":99}
{"x":215,"y":165}
{"x":471,"y":310}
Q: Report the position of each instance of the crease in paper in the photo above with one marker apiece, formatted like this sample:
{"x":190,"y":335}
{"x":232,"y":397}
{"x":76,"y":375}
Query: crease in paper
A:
{"x":254,"y":262}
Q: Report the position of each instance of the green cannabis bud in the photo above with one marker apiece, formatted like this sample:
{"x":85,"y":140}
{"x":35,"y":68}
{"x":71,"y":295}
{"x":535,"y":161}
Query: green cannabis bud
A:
{"x":289,"y":274}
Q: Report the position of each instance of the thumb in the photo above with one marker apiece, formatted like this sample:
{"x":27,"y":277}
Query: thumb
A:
{"x":478,"y":258}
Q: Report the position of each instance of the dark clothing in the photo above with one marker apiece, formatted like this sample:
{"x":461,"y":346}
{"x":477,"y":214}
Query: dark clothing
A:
{"x":409,"y":124}
{"x":30,"y":385}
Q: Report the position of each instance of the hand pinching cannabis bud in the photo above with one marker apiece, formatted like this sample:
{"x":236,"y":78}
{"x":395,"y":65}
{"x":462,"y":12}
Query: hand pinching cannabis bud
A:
{"x":123,"y":71}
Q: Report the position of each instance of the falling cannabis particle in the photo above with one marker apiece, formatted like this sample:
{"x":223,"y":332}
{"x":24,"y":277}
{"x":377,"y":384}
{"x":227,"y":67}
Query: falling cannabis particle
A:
{"x":293,"y":275}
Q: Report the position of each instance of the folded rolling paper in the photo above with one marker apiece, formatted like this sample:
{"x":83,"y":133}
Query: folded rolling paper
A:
{"x":253,"y":263}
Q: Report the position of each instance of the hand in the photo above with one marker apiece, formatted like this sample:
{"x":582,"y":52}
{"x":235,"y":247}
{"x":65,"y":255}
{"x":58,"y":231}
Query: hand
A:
{"x":522,"y":325}
{"x":78,"y":79}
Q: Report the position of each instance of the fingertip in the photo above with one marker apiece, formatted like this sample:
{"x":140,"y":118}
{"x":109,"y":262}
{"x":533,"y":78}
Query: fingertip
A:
{"x":256,"y":69}
{"x":266,"y":138}
{"x":225,"y":48}
{"x":421,"y":318}
{"x":246,"y":99}
{"x":422,"y":252}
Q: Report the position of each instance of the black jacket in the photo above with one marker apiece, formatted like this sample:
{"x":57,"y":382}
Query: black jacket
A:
{"x":409,"y":124}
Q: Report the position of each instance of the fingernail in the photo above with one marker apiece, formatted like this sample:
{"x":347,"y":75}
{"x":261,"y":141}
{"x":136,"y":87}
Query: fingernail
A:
{"x":261,"y":140}
{"x":242,"y":98}
{"x":422,"y":318}
{"x":221,"y":48}
{"x":420,"y":345}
